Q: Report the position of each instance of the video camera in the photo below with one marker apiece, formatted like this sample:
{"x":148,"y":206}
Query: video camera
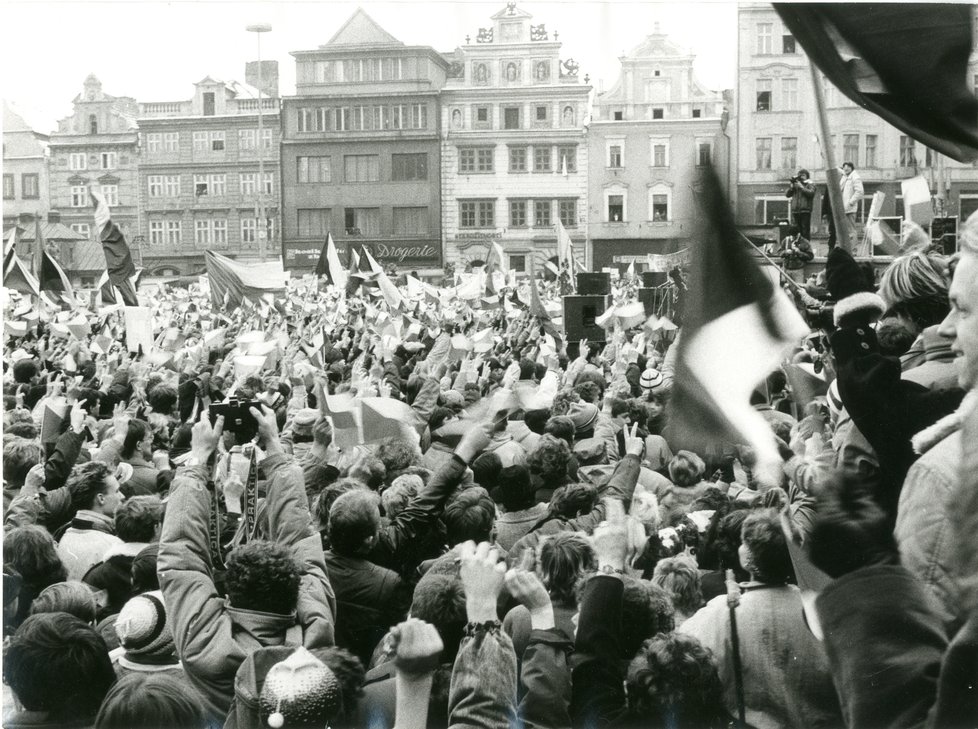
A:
{"x":237,"y":418}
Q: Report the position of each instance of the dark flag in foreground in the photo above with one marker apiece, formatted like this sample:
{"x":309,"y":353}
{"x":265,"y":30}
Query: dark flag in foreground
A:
{"x":906,"y":63}
{"x":329,"y":264}
{"x":118,"y":259}
{"x":52,"y":277}
{"x":737,"y":328}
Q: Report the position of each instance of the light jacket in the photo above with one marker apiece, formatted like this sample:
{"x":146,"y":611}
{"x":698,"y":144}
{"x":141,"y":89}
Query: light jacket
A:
{"x":212,"y":638}
{"x":85,"y":543}
{"x":852,"y":191}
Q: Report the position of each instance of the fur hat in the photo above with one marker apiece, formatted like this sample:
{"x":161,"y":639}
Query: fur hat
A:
{"x":141,"y":626}
{"x":853,"y":294}
{"x":650,"y":380}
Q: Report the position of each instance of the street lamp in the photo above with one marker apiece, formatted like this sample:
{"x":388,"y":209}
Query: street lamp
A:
{"x":262,"y":224}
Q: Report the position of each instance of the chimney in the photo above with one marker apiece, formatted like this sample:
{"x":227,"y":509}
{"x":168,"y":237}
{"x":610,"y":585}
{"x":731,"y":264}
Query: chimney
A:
{"x":26,"y":218}
{"x":269,"y":76}
{"x":54,"y":216}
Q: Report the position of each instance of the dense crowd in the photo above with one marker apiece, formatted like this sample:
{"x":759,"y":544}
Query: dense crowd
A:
{"x":526,"y":544}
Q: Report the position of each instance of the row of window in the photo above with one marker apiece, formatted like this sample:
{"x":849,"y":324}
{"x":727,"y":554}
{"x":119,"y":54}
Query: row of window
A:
{"x":317,"y":222}
{"x":764,"y":94}
{"x":361,"y":118}
{"x":523,"y":213}
{"x":30,"y":186}
{"x":478,"y":160}
{"x":207,"y":231}
{"x":861,"y":155}
{"x":207,"y":141}
{"x":658,"y":152}
{"x":513,"y":117}
{"x":213,"y":184}
{"x":408,"y":167}
{"x":80,"y":197}
{"x":766,"y":41}
{"x":356,"y":69}
{"x":100,"y":161}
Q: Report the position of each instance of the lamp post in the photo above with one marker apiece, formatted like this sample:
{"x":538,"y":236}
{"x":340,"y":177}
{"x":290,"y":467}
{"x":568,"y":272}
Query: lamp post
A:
{"x":262,"y":223}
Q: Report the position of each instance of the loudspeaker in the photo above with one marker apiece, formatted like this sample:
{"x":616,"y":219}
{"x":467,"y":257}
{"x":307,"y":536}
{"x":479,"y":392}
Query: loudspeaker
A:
{"x":598,"y":283}
{"x":647,"y":299}
{"x":579,"y":315}
{"x":651,"y":279}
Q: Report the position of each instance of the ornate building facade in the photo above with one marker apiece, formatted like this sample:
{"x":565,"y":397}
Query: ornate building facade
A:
{"x":514,"y":149}
{"x":25,"y":169}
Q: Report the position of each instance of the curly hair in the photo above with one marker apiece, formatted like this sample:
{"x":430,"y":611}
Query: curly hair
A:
{"x":370,"y":470}
{"x":136,"y":518}
{"x":562,"y":402}
{"x":20,"y":456}
{"x":673,"y":681}
{"x":573,"y":500}
{"x":397,"y":454}
{"x":680,"y":577}
{"x":549,"y":459}
{"x":768,"y":560}
{"x":263,"y":576}
{"x":561,"y":426}
{"x":349,"y":672}
{"x":398,"y":495}
{"x":686,"y":469}
{"x":588,"y":392}
{"x":562,"y":559}
{"x":87,"y":480}
{"x":646,"y":611}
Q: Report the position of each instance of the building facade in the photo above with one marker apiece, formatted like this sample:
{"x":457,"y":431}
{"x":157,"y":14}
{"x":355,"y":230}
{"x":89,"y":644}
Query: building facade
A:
{"x":514,"y":149}
{"x":97,"y":146}
{"x":199,"y":183}
{"x":777,"y":133}
{"x":360,"y":149}
{"x":650,"y":136}
{"x":25,"y":169}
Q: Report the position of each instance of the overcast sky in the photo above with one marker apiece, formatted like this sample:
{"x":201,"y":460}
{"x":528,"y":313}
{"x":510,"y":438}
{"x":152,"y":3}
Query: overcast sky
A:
{"x":155,"y":51}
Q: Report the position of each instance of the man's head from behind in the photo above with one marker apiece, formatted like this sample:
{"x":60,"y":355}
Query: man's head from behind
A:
{"x":20,"y":456}
{"x":354,"y":521}
{"x":470,"y":515}
{"x":56,"y":663}
{"x":440,"y":600}
{"x":138,"y":519}
{"x":263,"y":576}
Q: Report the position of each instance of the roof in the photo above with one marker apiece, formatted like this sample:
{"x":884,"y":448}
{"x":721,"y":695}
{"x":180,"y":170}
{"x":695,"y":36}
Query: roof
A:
{"x":12,"y":121}
{"x":361,"y":30}
{"x":50,"y":231}
{"x":87,"y":255}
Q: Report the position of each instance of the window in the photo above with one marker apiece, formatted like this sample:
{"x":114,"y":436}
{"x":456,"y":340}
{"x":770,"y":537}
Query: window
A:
{"x":248,"y":182}
{"x":92,"y":124}
{"x":203,"y":232}
{"x":697,"y":113}
{"x":171,"y":141}
{"x":174,"y":233}
{"x":313,"y":222}
{"x":361,"y":168}
{"x":154,"y":143}
{"x":8,"y":186}
{"x":77,"y":161}
{"x":567,"y":212}
{"x":789,"y":152}
{"x":477,"y":213}
{"x":475,"y":159}
{"x":616,"y":208}
{"x":362,"y":221}
{"x":247,"y":139}
{"x":308,"y":119}
{"x":517,"y":263}
{"x":615,"y":156}
{"x":249,"y":230}
{"x":511,"y":117}
{"x":30,"y":186}
{"x":200,"y":141}
{"x":764,"y":94}
{"x":221,"y":230}
{"x":208,"y":103}
{"x":269,"y":187}
{"x":908,"y":156}
{"x":967,"y":204}
{"x":171,"y":184}
{"x":212,"y":141}
{"x":770,"y":209}
{"x":82,"y":229}
{"x":657,"y":113}
{"x":619,"y":116}
{"x":419,"y":116}
{"x":787,"y":44}
{"x":408,"y":167}
{"x":342,"y":119}
{"x":659,"y":206}
{"x":704,"y":153}
{"x":482,"y":120}
{"x":111,"y":193}
{"x":542,"y":212}
{"x":541,"y":159}
{"x":789,"y":93}
{"x":541,"y":116}
{"x":108,"y":160}
{"x":870,"y":150}
{"x":850,"y":148}
{"x":660,"y":151}
{"x":398,"y":117}
{"x":217,"y":141}
{"x":313,"y":169}
{"x":410,"y":221}
{"x":568,"y":159}
{"x":517,"y":159}
{"x":155,"y":183}
{"x":517,"y":213}
{"x":214,"y":184}
{"x":765,"y":38}
{"x":763,"y":153}
{"x":79,"y":196}
{"x":156,"y":232}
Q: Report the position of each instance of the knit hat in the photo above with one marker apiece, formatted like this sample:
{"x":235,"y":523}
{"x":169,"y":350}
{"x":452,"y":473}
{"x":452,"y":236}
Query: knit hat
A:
{"x":651,"y":379}
{"x":584,"y":415}
{"x":142,"y":628}
{"x":849,"y":288}
{"x":304,"y":420}
{"x":301,"y":691}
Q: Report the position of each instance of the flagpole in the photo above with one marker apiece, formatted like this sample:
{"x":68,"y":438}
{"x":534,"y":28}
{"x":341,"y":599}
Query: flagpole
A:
{"x":771,"y":261}
{"x":832,"y":177}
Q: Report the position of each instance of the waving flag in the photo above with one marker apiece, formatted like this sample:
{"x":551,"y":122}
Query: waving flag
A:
{"x":329,"y":264}
{"x":905,"y":62}
{"x":118,"y":259}
{"x":737,"y":329}
{"x":387,"y":287}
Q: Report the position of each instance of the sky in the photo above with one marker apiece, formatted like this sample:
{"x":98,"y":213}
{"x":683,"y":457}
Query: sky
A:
{"x":156,"y":51}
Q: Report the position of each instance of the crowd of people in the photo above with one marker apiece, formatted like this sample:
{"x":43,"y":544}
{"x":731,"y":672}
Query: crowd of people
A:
{"x":192,"y":539}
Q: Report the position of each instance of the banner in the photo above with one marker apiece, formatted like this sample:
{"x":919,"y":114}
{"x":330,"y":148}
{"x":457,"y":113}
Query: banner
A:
{"x":139,"y":328}
{"x":665,"y":262}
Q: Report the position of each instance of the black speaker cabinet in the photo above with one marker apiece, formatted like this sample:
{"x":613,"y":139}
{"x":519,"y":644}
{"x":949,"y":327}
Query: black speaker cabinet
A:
{"x":579,"y":315}
{"x":651,"y":279}
{"x":594,"y":283}
{"x":647,"y":298}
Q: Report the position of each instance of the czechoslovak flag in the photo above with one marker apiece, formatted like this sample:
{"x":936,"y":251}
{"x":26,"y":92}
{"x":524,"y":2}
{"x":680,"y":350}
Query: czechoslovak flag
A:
{"x":737,"y":328}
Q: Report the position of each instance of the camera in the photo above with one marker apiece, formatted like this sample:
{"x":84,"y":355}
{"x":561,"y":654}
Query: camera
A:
{"x":796,"y":178}
{"x":237,"y":418}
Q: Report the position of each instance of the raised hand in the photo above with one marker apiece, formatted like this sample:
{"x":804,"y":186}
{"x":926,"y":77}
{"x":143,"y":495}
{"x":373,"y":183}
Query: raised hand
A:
{"x":204,"y":437}
{"x":417,"y":647}
{"x":482,"y":578}
{"x":634,"y":446}
{"x":610,"y":537}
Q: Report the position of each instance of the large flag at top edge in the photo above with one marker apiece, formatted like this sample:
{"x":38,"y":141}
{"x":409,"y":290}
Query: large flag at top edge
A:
{"x":737,"y":329}
{"x":905,"y":62}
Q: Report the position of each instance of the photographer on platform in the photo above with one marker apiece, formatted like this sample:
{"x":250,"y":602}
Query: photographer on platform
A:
{"x":802,"y":192}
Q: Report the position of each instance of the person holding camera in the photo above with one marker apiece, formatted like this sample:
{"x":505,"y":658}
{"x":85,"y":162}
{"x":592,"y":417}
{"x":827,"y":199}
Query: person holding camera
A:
{"x":802,"y":193}
{"x":796,"y":250}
